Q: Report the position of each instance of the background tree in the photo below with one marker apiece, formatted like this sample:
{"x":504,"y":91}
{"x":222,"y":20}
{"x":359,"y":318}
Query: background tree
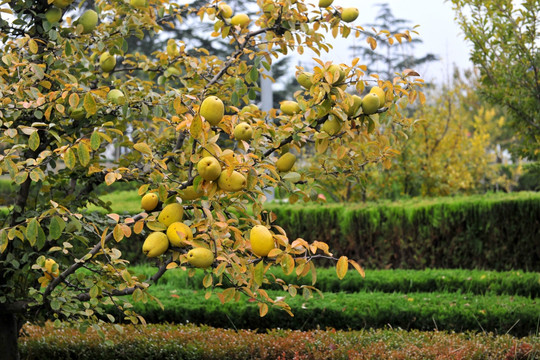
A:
{"x":70,"y":87}
{"x":504,"y":35}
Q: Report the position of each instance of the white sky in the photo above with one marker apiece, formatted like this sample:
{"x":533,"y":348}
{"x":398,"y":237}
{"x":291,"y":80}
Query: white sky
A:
{"x":438,"y":31}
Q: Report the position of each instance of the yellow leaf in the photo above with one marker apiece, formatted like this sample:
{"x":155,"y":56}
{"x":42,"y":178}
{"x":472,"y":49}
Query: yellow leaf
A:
{"x":118,"y":233}
{"x":110,"y":178}
{"x":358,"y":268}
{"x":143,"y":148}
{"x":74,"y":100}
{"x":172,"y":265}
{"x":342,"y":267}
{"x":263,"y":309}
{"x":138,"y":227}
{"x":196,"y":126}
{"x":90,"y":104}
{"x":33,"y":46}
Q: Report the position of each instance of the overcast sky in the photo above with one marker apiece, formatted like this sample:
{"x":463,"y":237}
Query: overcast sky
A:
{"x":437,"y":29}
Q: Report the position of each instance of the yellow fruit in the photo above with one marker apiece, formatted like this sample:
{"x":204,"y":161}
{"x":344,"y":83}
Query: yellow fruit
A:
{"x":234,"y":181}
{"x":190,"y":193}
{"x":209,"y":168}
{"x":262,"y":241}
{"x":286,"y":162}
{"x":107,"y":62}
{"x":138,"y":3}
{"x":251,"y":108}
{"x":88,"y":20}
{"x":380,"y":93}
{"x":155,"y":244}
{"x":171,"y":213}
{"x":241,"y":20}
{"x":304,"y":79}
{"x":62,"y":3}
{"x":212,"y":110}
{"x":357,"y":102}
{"x":325,"y":3}
{"x":349,"y":14}
{"x":370,"y":103}
{"x":336,"y":68}
{"x":332,"y":126}
{"x":53,"y":15}
{"x":51,"y":271}
{"x":200,"y":257}
{"x":226,"y":10}
{"x":149,"y":201}
{"x":116,"y":97}
{"x":243,"y":131}
{"x":289,"y":107}
{"x":178,"y":233}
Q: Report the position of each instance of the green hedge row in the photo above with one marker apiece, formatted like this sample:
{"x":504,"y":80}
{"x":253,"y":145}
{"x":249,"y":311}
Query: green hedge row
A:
{"x":205,"y":343}
{"x":424,"y":311}
{"x":495,"y":232}
{"x":429,"y":280}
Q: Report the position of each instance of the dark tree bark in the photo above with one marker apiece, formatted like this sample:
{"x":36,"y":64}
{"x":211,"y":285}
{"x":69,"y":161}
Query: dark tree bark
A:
{"x":9,"y":329}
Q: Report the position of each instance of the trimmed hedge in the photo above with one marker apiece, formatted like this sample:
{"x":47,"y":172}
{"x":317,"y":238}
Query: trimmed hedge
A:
{"x":495,"y":232}
{"x":448,"y":280}
{"x":205,"y":343}
{"x":424,"y":311}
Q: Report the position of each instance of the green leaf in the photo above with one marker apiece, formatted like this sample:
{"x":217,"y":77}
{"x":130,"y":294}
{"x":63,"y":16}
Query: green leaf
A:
{"x":90,"y":104}
{"x":258,"y":273}
{"x":69,"y":158}
{"x":21,"y":177}
{"x":32,"y":231}
{"x":56,"y":227}
{"x":33,"y":140}
{"x":84,"y":154}
{"x":3,"y":241}
{"x":95,"y":140}
{"x":292,"y":177}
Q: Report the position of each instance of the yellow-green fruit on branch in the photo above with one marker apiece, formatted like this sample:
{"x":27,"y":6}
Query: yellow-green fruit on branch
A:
{"x":200,"y":257}
{"x":357,"y":103}
{"x":149,"y":201}
{"x":243,"y":131}
{"x":234,"y":181}
{"x":336,"y":68}
{"x":289,"y":107}
{"x":380,"y":93}
{"x":349,"y":14}
{"x":171,"y":213}
{"x":62,"y":3}
{"x":209,"y":168}
{"x":332,"y":126}
{"x":53,"y":15}
{"x":304,"y":79}
{"x":325,"y":3}
{"x":107,"y":62}
{"x":51,"y":269}
{"x":190,"y":193}
{"x":286,"y":162}
{"x":241,"y":20}
{"x":178,"y":233}
{"x":88,"y":20}
{"x":212,"y":110}
{"x":155,"y":244}
{"x":262,"y":241}
{"x":116,"y":97}
{"x":370,"y":103}
{"x":225,"y":10}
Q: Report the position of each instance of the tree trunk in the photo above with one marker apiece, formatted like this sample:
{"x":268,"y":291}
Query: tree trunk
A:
{"x":8,"y":336}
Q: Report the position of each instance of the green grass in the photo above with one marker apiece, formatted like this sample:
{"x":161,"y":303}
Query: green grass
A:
{"x":124,"y":201}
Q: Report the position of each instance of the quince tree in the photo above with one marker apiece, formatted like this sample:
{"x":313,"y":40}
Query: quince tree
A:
{"x":71,"y":88}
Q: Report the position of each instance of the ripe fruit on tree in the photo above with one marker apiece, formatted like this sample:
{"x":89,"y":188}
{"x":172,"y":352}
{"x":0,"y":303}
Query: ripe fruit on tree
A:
{"x":53,"y":15}
{"x":200,"y":257}
{"x":116,"y":97}
{"x":349,"y":14}
{"x":212,"y":110}
{"x":138,"y":3}
{"x":149,"y":201}
{"x":107,"y":62}
{"x":225,"y":10}
{"x":209,"y":168}
{"x":88,"y":20}
{"x":289,"y":107}
{"x":62,"y":3}
{"x":380,"y":93}
{"x":190,"y":193}
{"x":233,"y":181}
{"x":178,"y":233}
{"x":325,"y":3}
{"x":262,"y":241}
{"x":304,"y":79}
{"x":241,"y":20}
{"x":332,"y":126}
{"x":286,"y":162}
{"x":370,"y":103}
{"x":51,"y":271}
{"x":336,"y":68}
{"x":171,"y":213}
{"x":243,"y":131}
{"x":155,"y":244}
